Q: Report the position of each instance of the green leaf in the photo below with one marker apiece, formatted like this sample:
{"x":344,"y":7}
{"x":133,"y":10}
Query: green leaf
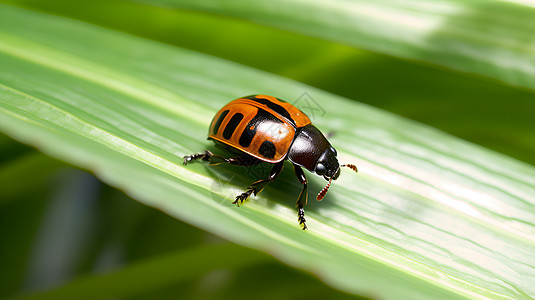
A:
{"x":428,"y":217}
{"x":489,"y":38}
{"x":151,"y":273}
{"x":26,"y":188}
{"x":495,"y":115}
{"x":14,"y":174}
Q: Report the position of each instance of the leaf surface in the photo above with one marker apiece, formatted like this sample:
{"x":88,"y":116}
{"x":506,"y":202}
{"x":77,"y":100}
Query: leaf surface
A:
{"x":428,"y":216}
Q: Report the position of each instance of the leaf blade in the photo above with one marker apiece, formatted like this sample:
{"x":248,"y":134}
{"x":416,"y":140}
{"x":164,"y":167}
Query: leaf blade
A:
{"x":151,"y":274}
{"x":488,"y":38}
{"x":133,"y":144}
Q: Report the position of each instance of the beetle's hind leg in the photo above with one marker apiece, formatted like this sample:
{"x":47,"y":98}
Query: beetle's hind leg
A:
{"x":303,"y":196}
{"x":259,"y":185}
{"x":204,"y":156}
{"x":215,"y":159}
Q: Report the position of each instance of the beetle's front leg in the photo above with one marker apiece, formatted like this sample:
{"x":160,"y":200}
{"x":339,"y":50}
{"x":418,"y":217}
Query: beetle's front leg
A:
{"x":303,"y":196}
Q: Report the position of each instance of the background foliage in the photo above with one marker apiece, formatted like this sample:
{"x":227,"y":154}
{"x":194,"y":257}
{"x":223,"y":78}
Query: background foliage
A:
{"x":488,"y":101}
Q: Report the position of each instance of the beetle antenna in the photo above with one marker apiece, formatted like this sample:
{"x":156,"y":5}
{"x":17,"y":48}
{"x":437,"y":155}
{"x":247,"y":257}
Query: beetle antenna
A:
{"x":351,"y":166}
{"x":323,"y":192}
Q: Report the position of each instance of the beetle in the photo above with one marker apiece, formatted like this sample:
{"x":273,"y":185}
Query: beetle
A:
{"x":262,"y":128}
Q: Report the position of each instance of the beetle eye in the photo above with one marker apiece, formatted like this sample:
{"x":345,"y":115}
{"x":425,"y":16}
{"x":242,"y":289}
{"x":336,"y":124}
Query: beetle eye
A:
{"x":334,"y":150}
{"x":320,"y":169}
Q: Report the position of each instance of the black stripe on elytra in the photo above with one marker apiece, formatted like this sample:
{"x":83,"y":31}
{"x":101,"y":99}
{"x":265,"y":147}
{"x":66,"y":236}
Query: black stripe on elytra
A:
{"x":250,"y":131}
{"x":267,"y":149}
{"x":274,"y":106}
{"x":232,"y":124}
{"x":219,"y":121}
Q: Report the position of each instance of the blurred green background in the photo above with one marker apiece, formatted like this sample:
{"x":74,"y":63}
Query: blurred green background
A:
{"x":42,"y":249}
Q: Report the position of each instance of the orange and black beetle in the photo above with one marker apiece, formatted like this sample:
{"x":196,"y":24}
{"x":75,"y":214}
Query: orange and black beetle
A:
{"x":267,"y":129}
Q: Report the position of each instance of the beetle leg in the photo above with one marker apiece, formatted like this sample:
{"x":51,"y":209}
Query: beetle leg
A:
{"x":204,"y":156}
{"x":303,"y":196}
{"x":244,"y":161}
{"x":215,"y":159}
{"x":259,"y":185}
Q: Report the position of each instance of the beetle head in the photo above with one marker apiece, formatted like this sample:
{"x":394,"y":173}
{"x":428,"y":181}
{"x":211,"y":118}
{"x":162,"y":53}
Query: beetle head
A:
{"x":334,"y":175}
{"x":327,"y":164}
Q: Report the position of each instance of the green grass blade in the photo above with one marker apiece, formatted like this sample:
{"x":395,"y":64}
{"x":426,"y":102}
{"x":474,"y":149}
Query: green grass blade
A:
{"x":488,"y":38}
{"x":27,"y":181}
{"x":495,"y":115}
{"x":428,"y":216}
{"x":152,"y":273}
{"x":15,"y":175}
